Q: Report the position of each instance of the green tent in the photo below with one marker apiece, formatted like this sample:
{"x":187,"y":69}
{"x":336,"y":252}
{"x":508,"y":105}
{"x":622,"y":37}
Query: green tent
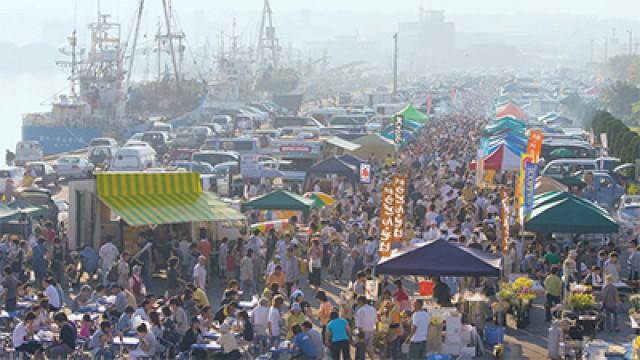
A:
{"x":279,"y":200}
{"x":24,"y":207}
{"x":566,"y":213}
{"x":410,"y":113}
{"x":8,"y":214}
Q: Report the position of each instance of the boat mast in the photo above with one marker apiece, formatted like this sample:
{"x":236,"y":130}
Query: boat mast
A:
{"x":267,"y":40}
{"x":133,"y":46}
{"x":167,"y":20}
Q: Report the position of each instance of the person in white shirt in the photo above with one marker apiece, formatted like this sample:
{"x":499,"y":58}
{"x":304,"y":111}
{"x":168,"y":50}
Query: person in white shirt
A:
{"x":108,"y":256}
{"x":52,"y":294}
{"x":417,"y":339}
{"x":273,"y":321}
{"x":365,"y":319}
{"x":21,"y":334}
{"x":260,"y":318}
{"x":200,"y":273}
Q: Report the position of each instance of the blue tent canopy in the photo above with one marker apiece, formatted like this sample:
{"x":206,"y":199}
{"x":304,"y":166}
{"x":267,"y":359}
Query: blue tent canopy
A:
{"x":440,"y":258}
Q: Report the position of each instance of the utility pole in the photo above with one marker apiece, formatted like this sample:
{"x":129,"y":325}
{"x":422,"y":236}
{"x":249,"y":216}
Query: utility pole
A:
{"x":591,"y":51}
{"x":395,"y":63}
{"x":606,"y":49}
{"x":630,"y":32}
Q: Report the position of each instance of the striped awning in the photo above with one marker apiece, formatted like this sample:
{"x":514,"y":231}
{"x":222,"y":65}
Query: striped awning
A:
{"x":157,"y":198}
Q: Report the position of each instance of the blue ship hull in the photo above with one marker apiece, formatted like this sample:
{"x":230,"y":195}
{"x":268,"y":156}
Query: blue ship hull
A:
{"x":56,"y":140}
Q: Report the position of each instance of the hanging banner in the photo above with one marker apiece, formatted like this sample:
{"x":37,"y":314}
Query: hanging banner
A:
{"x":519,"y":193}
{"x":386,"y":220}
{"x":534,"y":145}
{"x":505,"y":211}
{"x":399,"y":184}
{"x":530,"y":175}
{"x":397,"y":129}
{"x":429,"y":102}
{"x":479,"y":168}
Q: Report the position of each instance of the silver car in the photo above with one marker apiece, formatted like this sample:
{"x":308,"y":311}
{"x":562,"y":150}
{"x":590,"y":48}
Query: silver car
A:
{"x":73,"y":166}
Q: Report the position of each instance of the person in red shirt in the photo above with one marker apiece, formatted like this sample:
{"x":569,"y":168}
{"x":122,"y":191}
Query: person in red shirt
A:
{"x":401,"y":295}
{"x":204,"y":246}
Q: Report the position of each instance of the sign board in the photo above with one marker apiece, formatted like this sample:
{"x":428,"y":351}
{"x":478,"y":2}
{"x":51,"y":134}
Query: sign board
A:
{"x":386,"y":220}
{"x":399,"y":184}
{"x":249,"y":166}
{"x":372,"y":289}
{"x":397,"y":129}
{"x":365,"y":173}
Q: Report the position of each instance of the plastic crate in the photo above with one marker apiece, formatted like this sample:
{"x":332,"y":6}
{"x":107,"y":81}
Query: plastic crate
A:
{"x":439,"y":357}
{"x":493,"y":335}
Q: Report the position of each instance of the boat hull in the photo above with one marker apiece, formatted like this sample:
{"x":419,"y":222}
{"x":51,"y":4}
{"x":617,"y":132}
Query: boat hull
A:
{"x":58,"y":139}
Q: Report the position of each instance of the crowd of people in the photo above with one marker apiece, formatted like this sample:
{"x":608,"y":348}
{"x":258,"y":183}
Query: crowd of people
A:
{"x":274,"y":279}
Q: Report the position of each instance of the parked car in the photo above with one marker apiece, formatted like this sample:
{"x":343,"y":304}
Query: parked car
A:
{"x":28,"y":151}
{"x":73,"y":166}
{"x":158,"y":140}
{"x":216,"y":157}
{"x":136,"y":137}
{"x":601,"y":188}
{"x":628,"y":214}
{"x":101,"y":155}
{"x":102,"y":141}
{"x":43,"y":173}
{"x":133,"y":159}
{"x":199,"y":167}
{"x":11,"y":173}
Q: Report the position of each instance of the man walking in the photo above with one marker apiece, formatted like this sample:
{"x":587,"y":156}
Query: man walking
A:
{"x":553,"y":291}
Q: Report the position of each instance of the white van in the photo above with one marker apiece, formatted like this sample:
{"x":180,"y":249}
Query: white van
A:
{"x":565,"y":167}
{"x":28,"y":151}
{"x":133,"y":159}
{"x":12,"y":173}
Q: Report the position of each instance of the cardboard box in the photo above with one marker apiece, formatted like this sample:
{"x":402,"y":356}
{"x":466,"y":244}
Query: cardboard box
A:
{"x":468,"y":352}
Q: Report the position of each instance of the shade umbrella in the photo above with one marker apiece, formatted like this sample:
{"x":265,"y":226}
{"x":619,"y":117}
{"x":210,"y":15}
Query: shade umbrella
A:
{"x":320,"y":199}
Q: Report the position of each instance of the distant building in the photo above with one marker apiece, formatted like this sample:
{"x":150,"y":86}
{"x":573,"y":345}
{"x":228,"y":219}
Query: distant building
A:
{"x":428,"y":42}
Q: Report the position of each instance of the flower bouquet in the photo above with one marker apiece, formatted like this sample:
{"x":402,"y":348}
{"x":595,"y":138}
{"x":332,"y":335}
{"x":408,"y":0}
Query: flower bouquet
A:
{"x":581,"y":302}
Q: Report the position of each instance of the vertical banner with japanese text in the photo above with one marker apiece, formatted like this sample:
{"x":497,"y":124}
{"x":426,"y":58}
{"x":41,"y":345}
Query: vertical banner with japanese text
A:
{"x":386,"y":220}
{"x":505,"y":212}
{"x":398,"y":125}
{"x":524,"y":160}
{"x":399,"y":184}
{"x":479,"y":167}
{"x":534,"y":145}
{"x":530,"y":175}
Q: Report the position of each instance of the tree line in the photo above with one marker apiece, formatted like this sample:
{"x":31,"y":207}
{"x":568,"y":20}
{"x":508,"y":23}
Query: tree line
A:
{"x":621,"y":140}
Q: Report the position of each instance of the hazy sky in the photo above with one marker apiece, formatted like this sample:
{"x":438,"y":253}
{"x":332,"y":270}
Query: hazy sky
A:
{"x":605,"y":8}
{"x":28,"y":21}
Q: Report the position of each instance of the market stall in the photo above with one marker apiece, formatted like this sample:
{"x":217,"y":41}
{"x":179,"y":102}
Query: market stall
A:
{"x":563,"y":212}
{"x":373,"y":145}
{"x":331,"y":166}
{"x":440,"y":258}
